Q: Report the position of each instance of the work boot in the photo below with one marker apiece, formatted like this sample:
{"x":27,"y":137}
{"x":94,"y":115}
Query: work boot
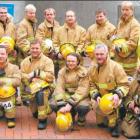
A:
{"x":81,"y":121}
{"x":101,"y":125}
{"x":42,"y":124}
{"x":26,"y":103}
{"x":115,"y":131}
{"x":11,"y":123}
{"x":35,"y":115}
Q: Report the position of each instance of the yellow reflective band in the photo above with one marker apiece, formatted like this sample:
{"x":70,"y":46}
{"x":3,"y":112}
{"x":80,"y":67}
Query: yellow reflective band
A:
{"x":132,"y":65}
{"x":102,"y":85}
{"x":42,"y":112}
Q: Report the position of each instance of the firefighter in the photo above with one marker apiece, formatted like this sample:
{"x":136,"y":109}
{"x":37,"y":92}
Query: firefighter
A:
{"x":9,"y":79}
{"x":7,"y":29}
{"x":107,"y":76}
{"x":101,"y":29}
{"x":71,"y":92}
{"x":47,"y":28}
{"x":26,"y":32}
{"x":128,"y":29}
{"x":37,"y":76}
{"x":131,"y":122}
{"x":46,"y":31}
{"x":70,"y":32}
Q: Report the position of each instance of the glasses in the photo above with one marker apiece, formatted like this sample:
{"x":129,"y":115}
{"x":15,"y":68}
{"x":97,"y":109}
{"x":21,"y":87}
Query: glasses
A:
{"x":3,"y":12}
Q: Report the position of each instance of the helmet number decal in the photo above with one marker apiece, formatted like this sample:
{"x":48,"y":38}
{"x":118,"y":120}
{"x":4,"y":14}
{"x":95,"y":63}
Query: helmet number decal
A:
{"x":7,"y":105}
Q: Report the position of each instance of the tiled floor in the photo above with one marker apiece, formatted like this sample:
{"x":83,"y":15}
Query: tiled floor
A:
{"x":26,"y":128}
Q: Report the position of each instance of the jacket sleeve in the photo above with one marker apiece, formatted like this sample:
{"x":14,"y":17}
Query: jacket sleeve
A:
{"x":48,"y":72}
{"x":40,"y":32}
{"x":121,"y":81}
{"x":82,"y":90}
{"x":93,"y":90}
{"x":81,"y":42}
{"x":22,"y":40}
{"x":134,"y":36}
{"x":60,"y":88}
{"x":14,"y":78}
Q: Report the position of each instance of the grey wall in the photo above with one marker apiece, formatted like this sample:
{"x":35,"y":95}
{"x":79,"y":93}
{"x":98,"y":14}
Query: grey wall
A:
{"x":85,"y":10}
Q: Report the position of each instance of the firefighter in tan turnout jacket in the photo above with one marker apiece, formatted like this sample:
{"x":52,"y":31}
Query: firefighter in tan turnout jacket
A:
{"x":8,"y":30}
{"x":107,"y":76}
{"x":26,"y":32}
{"x":100,"y":30}
{"x":128,"y":29}
{"x":131,"y":122}
{"x":37,"y":76}
{"x":71,"y":92}
{"x":9,"y":79}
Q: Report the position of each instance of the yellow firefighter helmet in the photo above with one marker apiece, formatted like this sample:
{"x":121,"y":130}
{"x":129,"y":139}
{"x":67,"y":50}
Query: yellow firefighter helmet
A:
{"x":63,"y":121}
{"x":89,"y":49}
{"x":124,"y":52}
{"x":7,"y":91}
{"x":37,"y":85}
{"x":7,"y":40}
{"x":47,"y":45}
{"x":66,"y":49}
{"x":106,"y":103}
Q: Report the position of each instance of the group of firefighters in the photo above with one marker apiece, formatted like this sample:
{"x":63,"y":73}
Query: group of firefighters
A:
{"x":42,"y":67}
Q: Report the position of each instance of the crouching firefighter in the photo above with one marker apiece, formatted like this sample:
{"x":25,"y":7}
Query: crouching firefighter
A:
{"x":107,"y":76}
{"x":131,"y":122}
{"x":37,"y":73}
{"x":9,"y":80}
{"x":71,"y":92}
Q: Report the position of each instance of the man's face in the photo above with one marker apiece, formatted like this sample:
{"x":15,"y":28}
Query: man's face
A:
{"x":126,"y":12}
{"x":3,"y":14}
{"x":31,"y":15}
{"x":70,"y":17}
{"x":101,"y":56}
{"x":100,"y":18}
{"x":3,"y":55}
{"x":71,"y":62}
{"x":49,"y":15}
{"x":35,"y":50}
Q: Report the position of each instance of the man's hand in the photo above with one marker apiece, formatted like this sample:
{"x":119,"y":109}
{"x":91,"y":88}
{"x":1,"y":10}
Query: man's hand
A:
{"x":136,"y":110}
{"x":66,"y":108}
{"x":116,"y":100}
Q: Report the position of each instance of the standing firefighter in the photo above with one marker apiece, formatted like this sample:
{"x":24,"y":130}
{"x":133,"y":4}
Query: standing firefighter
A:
{"x":7,"y":33}
{"x":71,"y":92}
{"x":71,"y":33}
{"x":37,"y":76}
{"x":26,"y":32}
{"x":100,"y":30}
{"x":131,"y":122}
{"x":9,"y":79}
{"x":107,"y":78}
{"x":125,"y":39}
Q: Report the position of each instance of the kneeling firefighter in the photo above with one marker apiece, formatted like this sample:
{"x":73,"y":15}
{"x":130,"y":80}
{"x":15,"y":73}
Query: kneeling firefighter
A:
{"x":71,"y":92}
{"x":131,"y":122}
{"x":106,"y":76}
{"x":9,"y":80}
{"x":37,"y":76}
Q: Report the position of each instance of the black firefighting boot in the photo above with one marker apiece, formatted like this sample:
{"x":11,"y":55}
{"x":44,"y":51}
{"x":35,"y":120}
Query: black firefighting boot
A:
{"x":82,"y":112}
{"x":115,"y":132}
{"x":42,"y":124}
{"x":11,"y":123}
